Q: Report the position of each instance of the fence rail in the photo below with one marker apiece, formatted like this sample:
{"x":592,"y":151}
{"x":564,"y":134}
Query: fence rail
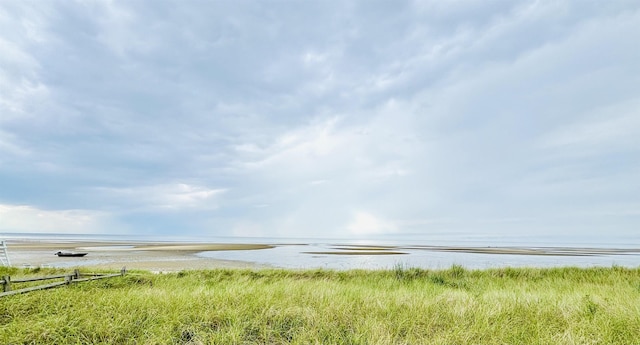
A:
{"x":75,"y":277}
{"x":35,"y":279}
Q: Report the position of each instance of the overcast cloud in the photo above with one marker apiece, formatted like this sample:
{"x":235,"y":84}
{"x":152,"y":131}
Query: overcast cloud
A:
{"x":320,"y":118}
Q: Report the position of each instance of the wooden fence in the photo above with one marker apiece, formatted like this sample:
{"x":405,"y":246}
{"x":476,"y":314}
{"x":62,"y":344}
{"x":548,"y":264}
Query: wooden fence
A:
{"x":75,"y":277}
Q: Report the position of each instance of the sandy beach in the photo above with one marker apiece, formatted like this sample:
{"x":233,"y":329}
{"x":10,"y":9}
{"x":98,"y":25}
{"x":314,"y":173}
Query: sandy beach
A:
{"x":159,"y":257}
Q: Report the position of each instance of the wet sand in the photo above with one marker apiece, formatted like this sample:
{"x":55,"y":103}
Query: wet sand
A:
{"x":159,"y":257}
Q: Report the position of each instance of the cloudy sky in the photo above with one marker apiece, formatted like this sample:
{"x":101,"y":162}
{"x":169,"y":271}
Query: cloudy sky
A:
{"x":320,"y":118}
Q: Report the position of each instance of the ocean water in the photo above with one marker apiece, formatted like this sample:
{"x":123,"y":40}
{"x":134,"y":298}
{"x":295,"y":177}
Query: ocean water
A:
{"x":299,"y":252}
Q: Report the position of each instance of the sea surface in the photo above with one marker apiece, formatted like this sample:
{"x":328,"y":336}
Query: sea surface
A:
{"x":304,"y":253}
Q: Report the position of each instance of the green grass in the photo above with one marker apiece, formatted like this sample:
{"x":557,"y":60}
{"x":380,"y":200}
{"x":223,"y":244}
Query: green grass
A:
{"x":399,"y":306}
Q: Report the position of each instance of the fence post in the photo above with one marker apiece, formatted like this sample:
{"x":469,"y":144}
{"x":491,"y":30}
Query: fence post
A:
{"x":6,"y":285}
{"x":68,"y":279}
{"x":76,"y":274}
{"x":123,"y":271}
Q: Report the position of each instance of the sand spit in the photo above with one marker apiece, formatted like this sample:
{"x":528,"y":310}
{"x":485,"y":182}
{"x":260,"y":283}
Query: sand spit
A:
{"x":550,"y":251}
{"x":357,"y":252}
{"x":365,"y":248}
{"x":197,"y":248}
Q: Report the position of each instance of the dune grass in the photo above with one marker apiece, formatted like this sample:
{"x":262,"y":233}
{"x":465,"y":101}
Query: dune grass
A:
{"x":400,"y":306}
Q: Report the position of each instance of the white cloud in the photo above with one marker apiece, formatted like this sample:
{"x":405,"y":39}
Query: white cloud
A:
{"x":615,"y":127}
{"x":364,"y":223}
{"x":303,"y":145}
{"x":249,"y":229}
{"x":21,"y":88}
{"x":23,"y":218}
{"x":168,"y":197}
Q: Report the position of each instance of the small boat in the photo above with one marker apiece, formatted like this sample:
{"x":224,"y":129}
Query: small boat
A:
{"x":70,"y":255}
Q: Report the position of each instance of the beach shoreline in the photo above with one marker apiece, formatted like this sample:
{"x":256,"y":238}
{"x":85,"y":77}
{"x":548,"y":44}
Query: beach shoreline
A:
{"x":177,"y":256}
{"x":149,"y":256}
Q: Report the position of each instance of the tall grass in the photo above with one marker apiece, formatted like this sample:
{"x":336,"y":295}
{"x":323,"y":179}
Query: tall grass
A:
{"x":399,"y":306}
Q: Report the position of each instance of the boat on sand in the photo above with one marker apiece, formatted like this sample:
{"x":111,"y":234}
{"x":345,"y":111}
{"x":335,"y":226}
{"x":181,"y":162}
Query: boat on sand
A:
{"x":70,"y":255}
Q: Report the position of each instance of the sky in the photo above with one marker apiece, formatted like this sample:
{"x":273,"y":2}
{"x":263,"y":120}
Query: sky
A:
{"x":321,"y":119}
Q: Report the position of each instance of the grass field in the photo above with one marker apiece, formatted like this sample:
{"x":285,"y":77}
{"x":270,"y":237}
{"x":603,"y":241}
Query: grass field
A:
{"x":400,"y":306}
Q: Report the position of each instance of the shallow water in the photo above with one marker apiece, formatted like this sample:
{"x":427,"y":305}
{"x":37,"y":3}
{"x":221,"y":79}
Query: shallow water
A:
{"x":296,"y":256}
{"x":292,"y":252}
